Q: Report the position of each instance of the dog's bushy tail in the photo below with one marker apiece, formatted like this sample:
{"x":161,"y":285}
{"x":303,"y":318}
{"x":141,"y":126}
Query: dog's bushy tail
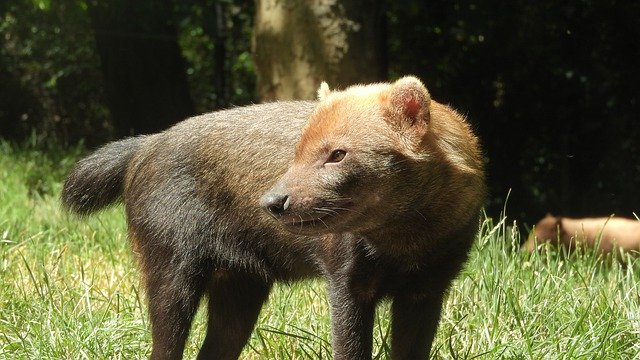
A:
{"x":97,"y":181}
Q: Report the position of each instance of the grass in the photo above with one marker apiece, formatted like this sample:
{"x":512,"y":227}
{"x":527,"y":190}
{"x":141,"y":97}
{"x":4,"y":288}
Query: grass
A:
{"x":69,"y":289}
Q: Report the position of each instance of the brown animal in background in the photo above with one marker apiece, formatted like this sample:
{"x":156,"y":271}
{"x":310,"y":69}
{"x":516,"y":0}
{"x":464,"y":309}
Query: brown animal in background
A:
{"x":381,"y":195}
{"x":606,"y":233}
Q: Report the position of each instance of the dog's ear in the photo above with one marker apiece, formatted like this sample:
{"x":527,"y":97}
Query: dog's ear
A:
{"x":323,"y":91}
{"x":409,"y":102}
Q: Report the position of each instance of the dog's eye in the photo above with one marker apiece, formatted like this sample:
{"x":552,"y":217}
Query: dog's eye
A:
{"x":337,"y":156}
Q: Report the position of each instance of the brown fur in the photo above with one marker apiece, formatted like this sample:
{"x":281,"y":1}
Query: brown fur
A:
{"x":394,"y":218}
{"x":407,"y":192}
{"x":603,"y":233}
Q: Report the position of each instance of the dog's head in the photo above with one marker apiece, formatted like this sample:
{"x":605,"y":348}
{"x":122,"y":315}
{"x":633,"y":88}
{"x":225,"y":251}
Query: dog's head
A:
{"x":357,"y":162}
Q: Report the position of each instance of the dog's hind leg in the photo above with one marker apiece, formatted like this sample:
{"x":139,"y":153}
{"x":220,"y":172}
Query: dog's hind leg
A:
{"x":235,"y":300}
{"x":175,"y":286}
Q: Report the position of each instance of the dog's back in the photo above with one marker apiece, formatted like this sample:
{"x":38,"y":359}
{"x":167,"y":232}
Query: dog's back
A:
{"x":195,"y":187}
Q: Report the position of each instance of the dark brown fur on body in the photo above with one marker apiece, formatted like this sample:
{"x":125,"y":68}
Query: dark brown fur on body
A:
{"x":400,"y":213}
{"x":191,"y":196}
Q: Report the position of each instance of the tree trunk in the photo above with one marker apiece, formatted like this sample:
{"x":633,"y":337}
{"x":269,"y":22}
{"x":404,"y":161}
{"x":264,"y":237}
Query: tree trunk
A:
{"x":299,"y":43}
{"x":144,"y":72}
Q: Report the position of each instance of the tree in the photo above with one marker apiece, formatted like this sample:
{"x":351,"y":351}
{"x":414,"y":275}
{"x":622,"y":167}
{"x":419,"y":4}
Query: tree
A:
{"x":299,"y":43}
{"x":144,"y":72}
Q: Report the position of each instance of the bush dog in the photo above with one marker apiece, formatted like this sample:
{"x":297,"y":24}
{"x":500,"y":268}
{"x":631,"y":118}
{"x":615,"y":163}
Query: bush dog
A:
{"x":605,"y":233}
{"x":378,"y":188}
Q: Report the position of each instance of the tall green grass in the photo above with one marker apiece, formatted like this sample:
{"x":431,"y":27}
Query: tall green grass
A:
{"x":69,"y":289}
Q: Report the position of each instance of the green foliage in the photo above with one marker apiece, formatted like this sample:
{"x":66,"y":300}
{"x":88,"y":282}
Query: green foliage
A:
{"x":49,"y":54}
{"x":51,"y":71}
{"x":70,"y":289}
{"x":197,"y":37}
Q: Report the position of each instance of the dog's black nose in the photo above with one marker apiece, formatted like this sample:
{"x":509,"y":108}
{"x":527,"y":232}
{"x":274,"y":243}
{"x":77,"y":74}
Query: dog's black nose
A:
{"x":275,"y":204}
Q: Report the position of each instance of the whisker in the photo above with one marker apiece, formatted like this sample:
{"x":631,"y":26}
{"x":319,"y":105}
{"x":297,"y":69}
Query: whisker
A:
{"x":419,"y":213}
{"x":327,"y":211}
{"x":323,"y":223}
{"x":348,"y":209}
{"x":338,"y":199}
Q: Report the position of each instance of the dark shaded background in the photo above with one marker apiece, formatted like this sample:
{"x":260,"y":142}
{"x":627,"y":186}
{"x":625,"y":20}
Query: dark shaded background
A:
{"x":551,"y":88}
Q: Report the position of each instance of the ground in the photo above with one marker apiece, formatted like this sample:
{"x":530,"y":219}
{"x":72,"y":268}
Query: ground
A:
{"x":69,"y":288}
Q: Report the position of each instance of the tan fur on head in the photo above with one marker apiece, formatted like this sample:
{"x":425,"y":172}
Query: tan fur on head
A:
{"x":410,"y":100}
{"x":323,"y":91}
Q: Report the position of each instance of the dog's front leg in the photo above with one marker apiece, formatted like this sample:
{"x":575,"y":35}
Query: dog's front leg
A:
{"x":351,"y":321}
{"x":414,"y":324}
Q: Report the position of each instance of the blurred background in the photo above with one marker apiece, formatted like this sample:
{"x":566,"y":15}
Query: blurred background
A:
{"x":551,"y":87}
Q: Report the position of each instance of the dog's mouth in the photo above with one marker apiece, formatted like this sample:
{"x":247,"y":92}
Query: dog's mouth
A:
{"x":318,"y":220}
{"x":306,"y":221}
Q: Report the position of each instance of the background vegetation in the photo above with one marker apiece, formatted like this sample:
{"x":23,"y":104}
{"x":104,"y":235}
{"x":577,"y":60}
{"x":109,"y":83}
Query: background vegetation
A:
{"x":69,"y":289}
{"x":551,"y":88}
